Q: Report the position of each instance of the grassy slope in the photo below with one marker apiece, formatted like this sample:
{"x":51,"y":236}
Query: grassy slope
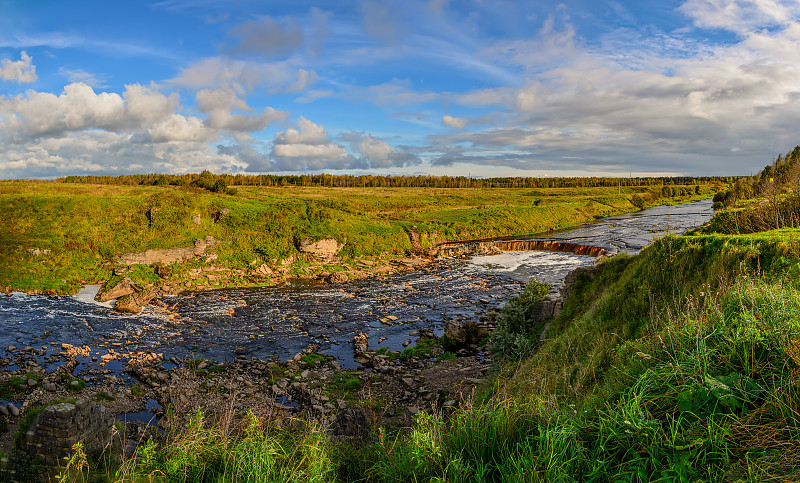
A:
{"x":680,"y":364}
{"x":84,"y":226}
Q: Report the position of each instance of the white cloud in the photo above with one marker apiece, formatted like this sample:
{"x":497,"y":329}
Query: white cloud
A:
{"x":454,"y":122}
{"x":377,"y":153}
{"x":180,"y":128}
{"x":306,"y":133}
{"x":308,"y":148}
{"x":21,"y":71}
{"x":245,"y":76}
{"x":220,"y":105}
{"x":741,"y":16}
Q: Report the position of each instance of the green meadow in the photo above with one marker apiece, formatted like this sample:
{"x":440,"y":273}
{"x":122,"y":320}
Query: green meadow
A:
{"x":84,"y":226}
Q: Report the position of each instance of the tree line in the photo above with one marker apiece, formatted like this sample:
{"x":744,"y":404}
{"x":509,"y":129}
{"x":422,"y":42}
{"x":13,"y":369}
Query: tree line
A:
{"x":208,"y":180}
{"x":768,"y":200}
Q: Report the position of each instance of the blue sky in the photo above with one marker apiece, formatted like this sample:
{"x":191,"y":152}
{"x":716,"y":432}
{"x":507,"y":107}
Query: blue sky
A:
{"x":472,"y":87}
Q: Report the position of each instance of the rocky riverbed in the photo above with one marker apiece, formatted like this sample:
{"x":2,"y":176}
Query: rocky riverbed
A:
{"x":310,"y":348}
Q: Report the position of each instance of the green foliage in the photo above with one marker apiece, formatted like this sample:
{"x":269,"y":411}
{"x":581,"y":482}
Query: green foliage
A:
{"x":77,"y":386}
{"x":516,"y":334}
{"x":199,"y":452}
{"x":345,"y":381}
{"x":447,"y":356}
{"x":312,"y":359}
{"x":422,"y":348}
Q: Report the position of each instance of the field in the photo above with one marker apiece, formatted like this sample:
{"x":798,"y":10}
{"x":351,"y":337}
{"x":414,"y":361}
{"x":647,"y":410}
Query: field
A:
{"x":85,"y":226}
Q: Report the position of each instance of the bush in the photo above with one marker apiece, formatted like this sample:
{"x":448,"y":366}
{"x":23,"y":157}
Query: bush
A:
{"x":515,"y":336}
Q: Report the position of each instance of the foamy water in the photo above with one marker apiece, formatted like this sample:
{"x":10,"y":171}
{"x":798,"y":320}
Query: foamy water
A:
{"x":547,"y":267}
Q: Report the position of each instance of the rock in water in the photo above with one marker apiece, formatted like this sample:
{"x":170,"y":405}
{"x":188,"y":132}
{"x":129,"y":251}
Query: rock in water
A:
{"x":360,"y":343}
{"x":127,"y":305}
{"x":125,"y":286}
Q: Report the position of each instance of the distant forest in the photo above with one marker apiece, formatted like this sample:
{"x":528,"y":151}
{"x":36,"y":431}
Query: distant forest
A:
{"x":211,"y":181}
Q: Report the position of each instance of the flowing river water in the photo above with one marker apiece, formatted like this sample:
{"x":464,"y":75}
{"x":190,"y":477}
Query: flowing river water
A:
{"x":279,"y":322}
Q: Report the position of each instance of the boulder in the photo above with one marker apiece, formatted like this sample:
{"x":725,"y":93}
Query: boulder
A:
{"x":127,"y":305}
{"x":464,"y":333}
{"x":338,"y":277}
{"x":133,"y":303}
{"x":360,"y":343}
{"x":167,"y":256}
{"x":323,"y":249}
{"x":57,"y":428}
{"x":222,"y":214}
{"x":352,"y":423}
{"x":124,"y":287}
{"x":263,"y":270}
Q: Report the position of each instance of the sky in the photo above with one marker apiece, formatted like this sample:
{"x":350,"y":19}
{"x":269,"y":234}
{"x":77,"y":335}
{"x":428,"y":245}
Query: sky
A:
{"x":464,"y":88}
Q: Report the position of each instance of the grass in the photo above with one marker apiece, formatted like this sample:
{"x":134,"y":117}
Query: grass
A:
{"x":423,"y":348}
{"x":345,"y":382}
{"x":86,"y":226}
{"x":699,"y":384}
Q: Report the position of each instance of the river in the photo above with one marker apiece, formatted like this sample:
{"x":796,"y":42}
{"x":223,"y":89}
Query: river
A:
{"x":279,"y":322}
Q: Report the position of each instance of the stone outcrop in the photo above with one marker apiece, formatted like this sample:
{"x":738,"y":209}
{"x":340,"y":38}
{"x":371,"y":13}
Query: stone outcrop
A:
{"x":166,"y":256}
{"x":464,"y":333}
{"x":465,"y":249}
{"x":323,"y":249}
{"x":360,"y":343}
{"x":57,"y":428}
{"x":352,"y":424}
{"x":133,"y":303}
{"x":126,"y":286}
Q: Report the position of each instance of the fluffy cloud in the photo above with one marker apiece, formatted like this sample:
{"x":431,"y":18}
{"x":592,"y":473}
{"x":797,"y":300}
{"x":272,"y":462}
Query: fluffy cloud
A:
{"x":377,"y":153}
{"x":82,"y":131}
{"x":22,"y":71}
{"x":741,"y":16}
{"x":308,"y":148}
{"x":220,"y":105}
{"x":180,"y":128}
{"x":78,"y":107}
{"x":108,"y":153}
{"x":454,"y":122}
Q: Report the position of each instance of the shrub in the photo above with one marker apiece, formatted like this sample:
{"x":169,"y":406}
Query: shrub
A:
{"x":515,"y":336}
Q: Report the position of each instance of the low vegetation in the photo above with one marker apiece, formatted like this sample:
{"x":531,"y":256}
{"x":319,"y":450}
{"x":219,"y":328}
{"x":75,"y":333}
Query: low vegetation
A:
{"x":57,"y":236}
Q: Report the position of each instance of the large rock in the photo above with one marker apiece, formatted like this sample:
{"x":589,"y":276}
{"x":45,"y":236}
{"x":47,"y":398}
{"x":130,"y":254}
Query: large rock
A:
{"x":464,"y":334}
{"x":352,"y":424}
{"x":360,"y":343}
{"x":133,"y":303}
{"x":125,"y":286}
{"x":323,"y":249}
{"x":338,"y":277}
{"x":57,"y":428}
{"x":166,"y":256}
